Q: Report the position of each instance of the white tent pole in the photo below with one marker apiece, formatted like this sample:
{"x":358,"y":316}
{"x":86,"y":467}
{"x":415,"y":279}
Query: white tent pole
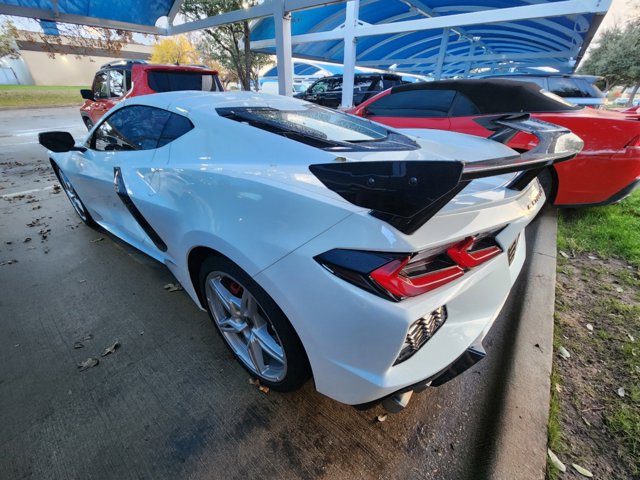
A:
{"x":472,"y":51}
{"x":348,"y":73}
{"x":444,"y":43}
{"x":282,"y":22}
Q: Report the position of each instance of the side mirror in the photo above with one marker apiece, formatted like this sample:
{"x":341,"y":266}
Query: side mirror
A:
{"x":58,"y":142}
{"x":87,"y":94}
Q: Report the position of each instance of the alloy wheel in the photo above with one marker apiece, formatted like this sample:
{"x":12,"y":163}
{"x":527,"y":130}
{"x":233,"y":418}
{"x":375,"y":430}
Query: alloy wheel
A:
{"x":245,"y":326}
{"x":73,"y":196}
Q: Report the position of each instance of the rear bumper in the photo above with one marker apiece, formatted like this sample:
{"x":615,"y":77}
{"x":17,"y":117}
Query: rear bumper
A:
{"x":615,"y":198}
{"x":352,"y":338}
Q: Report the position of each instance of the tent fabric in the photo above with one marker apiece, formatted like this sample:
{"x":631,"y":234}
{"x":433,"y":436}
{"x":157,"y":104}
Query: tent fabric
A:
{"x":130,"y":11}
{"x":549,"y":39}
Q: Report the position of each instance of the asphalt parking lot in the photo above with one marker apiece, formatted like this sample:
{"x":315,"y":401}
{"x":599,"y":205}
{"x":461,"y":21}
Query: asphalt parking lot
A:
{"x":171,"y":402}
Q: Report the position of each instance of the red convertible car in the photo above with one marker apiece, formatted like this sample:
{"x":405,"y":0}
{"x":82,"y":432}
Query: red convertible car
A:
{"x":606,"y":171}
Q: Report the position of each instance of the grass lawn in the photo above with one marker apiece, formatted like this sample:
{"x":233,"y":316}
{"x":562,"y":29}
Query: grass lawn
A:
{"x":612,"y":231}
{"x":16,"y":96}
{"x":595,"y":407}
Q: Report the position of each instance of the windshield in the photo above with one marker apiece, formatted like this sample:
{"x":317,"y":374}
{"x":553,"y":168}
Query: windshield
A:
{"x":319,"y":126}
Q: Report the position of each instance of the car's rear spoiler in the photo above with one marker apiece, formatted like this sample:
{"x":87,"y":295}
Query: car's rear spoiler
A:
{"x":406,"y":194}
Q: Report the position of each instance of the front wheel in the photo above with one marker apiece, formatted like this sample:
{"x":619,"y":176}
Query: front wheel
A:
{"x":73,"y":197}
{"x":253,"y":326}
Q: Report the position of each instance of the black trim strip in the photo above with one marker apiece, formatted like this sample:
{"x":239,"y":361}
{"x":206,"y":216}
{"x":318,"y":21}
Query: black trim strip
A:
{"x":121,"y":190}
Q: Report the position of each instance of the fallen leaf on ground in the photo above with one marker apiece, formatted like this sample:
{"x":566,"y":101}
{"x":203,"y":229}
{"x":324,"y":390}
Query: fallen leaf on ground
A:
{"x":564,"y":254}
{"x":28,"y":239}
{"x":563,"y":352}
{"x":254,"y":381}
{"x":263,"y":389}
{"x":111,"y":349}
{"x":97,"y":240}
{"x":88,"y":363}
{"x":172,"y":287}
{"x":78,"y":345}
{"x":621,"y":392}
{"x":556,"y":461}
{"x":582,"y":471}
{"x":382,"y":418}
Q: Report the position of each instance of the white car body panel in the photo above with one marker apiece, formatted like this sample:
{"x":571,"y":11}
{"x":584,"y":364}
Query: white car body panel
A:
{"x":249,"y":195}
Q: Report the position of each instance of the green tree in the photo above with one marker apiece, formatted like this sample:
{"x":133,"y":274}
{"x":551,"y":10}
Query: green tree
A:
{"x":223,"y":43}
{"x":175,"y":51}
{"x":8,"y":35}
{"x":616,"y":57}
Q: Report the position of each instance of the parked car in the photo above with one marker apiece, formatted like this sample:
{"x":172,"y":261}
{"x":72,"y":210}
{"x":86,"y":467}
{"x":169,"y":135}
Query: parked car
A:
{"x":327,"y":91}
{"x":122,"y":79}
{"x":320,"y":243}
{"x":577,"y":89}
{"x":606,"y":171}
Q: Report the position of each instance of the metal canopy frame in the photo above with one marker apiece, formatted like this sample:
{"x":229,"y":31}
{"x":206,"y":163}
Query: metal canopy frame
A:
{"x":444,"y":53}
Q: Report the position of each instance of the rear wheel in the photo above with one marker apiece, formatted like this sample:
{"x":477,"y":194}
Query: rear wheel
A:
{"x":253,"y":326}
{"x":549,"y":182}
{"x":73,"y":197}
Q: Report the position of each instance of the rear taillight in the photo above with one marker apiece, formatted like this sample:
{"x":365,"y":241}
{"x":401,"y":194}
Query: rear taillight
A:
{"x":634,"y":142}
{"x":398,"y":276}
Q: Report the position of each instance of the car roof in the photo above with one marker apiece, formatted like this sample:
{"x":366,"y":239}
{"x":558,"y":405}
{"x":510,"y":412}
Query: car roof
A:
{"x":543,"y":75}
{"x":206,"y":102}
{"x":496,"y":95}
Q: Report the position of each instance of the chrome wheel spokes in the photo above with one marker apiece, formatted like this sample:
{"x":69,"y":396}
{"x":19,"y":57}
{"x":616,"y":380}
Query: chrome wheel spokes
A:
{"x":245,"y":326}
{"x":72,"y":195}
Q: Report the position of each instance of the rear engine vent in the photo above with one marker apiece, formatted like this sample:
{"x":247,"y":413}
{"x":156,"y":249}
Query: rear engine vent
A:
{"x":420,"y":331}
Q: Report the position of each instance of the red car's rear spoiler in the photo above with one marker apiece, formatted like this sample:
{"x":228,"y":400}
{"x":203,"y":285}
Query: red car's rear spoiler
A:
{"x":406,"y":194}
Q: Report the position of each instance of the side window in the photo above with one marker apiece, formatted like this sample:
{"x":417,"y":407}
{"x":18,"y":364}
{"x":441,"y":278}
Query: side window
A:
{"x":414,"y":103}
{"x":570,"y":87}
{"x":139,"y":127}
{"x":463,"y":107}
{"x":117,"y":85}
{"x":101,"y":85}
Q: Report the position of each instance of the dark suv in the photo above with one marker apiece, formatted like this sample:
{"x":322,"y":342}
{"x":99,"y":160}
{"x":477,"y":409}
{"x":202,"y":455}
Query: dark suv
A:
{"x":122,"y":79}
{"x":328,"y":90}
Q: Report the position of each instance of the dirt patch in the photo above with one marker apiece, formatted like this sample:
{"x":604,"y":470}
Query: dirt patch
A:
{"x":598,"y":387}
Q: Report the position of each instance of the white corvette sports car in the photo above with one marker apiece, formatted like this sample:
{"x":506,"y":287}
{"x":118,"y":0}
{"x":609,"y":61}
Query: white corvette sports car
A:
{"x":320,"y":243}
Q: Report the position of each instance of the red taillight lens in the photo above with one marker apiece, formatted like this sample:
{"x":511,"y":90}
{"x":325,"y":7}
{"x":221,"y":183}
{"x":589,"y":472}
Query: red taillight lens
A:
{"x":392,"y":278}
{"x":634,"y":142}
{"x":397,"y":276}
{"x":463,"y":254}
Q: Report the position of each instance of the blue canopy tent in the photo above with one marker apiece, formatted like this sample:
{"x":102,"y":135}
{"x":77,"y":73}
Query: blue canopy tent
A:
{"x":554,"y":41}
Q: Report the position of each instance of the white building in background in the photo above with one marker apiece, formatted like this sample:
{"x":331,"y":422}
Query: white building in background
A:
{"x":72,"y":67}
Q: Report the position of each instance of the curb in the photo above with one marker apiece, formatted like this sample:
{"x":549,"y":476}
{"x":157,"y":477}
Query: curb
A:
{"x":518,"y":434}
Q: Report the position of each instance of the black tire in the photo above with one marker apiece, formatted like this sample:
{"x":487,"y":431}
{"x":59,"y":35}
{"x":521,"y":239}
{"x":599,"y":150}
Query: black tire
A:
{"x":77,"y":204}
{"x":549,"y":182}
{"x":297,"y":367}
{"x":87,"y":122}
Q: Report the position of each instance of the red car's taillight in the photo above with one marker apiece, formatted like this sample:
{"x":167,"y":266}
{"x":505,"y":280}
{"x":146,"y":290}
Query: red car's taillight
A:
{"x":398,"y":276}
